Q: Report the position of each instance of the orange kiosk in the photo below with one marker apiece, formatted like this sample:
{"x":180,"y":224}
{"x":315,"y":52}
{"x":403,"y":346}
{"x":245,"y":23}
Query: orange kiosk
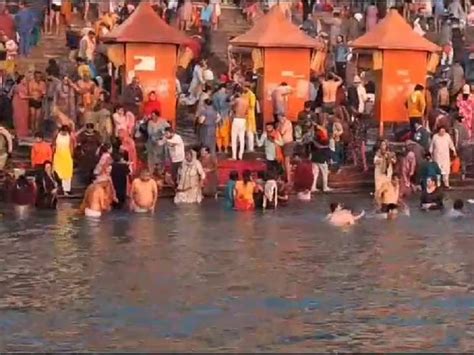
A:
{"x":401,"y":59}
{"x":147,"y":47}
{"x":285,"y":53}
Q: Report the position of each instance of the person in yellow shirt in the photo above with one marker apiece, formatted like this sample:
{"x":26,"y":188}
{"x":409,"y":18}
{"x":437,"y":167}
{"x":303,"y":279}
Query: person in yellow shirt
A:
{"x":251,"y":119}
{"x":416,"y":105}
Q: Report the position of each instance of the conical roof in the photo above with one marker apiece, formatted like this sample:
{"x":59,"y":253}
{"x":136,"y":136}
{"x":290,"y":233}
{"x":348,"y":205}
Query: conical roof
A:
{"x":275,"y":30}
{"x":393,"y":32}
{"x":145,"y":26}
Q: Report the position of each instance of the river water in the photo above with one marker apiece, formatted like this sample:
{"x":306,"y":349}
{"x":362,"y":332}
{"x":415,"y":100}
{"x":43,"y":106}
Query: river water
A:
{"x":204,"y":279}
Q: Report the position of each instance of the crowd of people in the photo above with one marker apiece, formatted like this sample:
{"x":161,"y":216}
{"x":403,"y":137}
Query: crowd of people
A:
{"x":125,"y":151}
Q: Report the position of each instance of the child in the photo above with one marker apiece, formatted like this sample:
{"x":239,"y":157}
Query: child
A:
{"x":270,"y":195}
{"x":230,"y":189}
{"x":41,"y":152}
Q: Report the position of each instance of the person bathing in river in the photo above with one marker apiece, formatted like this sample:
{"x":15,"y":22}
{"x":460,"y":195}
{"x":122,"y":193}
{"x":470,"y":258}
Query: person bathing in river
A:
{"x":23,"y":195}
{"x":48,"y":185}
{"x":244,"y":190}
{"x":120,"y":178}
{"x":229,"y":193}
{"x":340,"y":217}
{"x":387,"y":197}
{"x":144,"y":193}
{"x":190,"y":181}
{"x":457,"y":210}
{"x":95,"y":199}
{"x":432,"y":197}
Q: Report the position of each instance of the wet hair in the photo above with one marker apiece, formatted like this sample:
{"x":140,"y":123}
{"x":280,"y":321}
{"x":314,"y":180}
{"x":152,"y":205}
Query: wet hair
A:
{"x":104,"y":148}
{"x":124,"y":155}
{"x":333,"y":206}
{"x":22,"y":181}
{"x":246,"y":176}
{"x":39,"y":135}
{"x":270,"y":175}
{"x":234,"y":175}
{"x":65,"y":128}
{"x":144,"y":170}
{"x":458,"y":205}
{"x":117,"y":156}
{"x":391,"y":207}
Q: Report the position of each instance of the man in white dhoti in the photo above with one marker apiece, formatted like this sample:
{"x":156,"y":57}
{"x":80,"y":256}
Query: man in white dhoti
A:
{"x":440,"y":149}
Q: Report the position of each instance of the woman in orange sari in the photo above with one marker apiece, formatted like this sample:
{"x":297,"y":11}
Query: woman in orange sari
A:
{"x":244,"y":190}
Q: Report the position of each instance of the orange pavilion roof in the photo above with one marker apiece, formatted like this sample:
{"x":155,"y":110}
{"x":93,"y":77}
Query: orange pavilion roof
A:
{"x":275,"y":30}
{"x":393,"y":32}
{"x":145,"y":26}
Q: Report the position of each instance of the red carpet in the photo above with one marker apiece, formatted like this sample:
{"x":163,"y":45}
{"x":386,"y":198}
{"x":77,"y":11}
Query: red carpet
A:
{"x":226,"y":166}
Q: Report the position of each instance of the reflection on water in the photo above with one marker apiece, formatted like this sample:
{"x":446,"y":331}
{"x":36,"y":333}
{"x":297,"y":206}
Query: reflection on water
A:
{"x":192,"y":278}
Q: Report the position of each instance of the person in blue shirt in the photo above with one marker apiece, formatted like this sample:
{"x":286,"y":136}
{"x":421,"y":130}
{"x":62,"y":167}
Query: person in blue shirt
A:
{"x":206,"y":23}
{"x":229,"y":190}
{"x":25,"y":23}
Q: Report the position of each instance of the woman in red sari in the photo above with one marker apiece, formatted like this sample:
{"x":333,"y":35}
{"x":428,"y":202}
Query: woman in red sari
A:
{"x":20,"y":107}
{"x":303,"y":177}
{"x":153,"y":104}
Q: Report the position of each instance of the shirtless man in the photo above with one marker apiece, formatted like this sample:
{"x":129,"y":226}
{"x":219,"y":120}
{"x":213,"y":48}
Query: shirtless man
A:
{"x":387,"y":197}
{"x":144,"y":193}
{"x":340,"y":216}
{"x":330,"y":84}
{"x":280,"y":99}
{"x":239,"y":124}
{"x":37,"y":91}
{"x":95,"y":200}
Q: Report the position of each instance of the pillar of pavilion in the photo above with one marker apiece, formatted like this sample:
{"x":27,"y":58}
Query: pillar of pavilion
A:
{"x":148,"y":48}
{"x":401,"y":58}
{"x":286,"y":55}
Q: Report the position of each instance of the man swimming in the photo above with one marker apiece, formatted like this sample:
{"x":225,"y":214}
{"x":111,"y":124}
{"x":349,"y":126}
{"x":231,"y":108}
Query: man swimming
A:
{"x":340,"y":216}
